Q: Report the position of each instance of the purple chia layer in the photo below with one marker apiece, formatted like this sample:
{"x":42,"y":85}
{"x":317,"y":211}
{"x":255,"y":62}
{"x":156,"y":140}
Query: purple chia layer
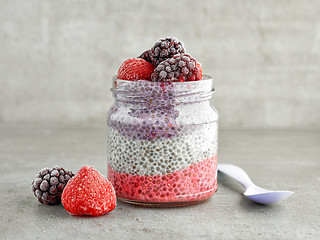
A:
{"x":149,"y":110}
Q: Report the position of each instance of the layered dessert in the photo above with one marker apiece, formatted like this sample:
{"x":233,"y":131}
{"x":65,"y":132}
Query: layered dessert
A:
{"x":162,"y":130}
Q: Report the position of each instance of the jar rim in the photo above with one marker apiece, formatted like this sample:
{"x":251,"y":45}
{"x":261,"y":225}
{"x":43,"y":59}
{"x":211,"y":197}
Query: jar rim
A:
{"x":141,"y":90}
{"x":204,"y":78}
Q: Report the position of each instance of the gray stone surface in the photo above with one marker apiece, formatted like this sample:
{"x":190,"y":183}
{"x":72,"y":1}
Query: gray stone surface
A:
{"x":287,"y":160}
{"x":57,"y":57}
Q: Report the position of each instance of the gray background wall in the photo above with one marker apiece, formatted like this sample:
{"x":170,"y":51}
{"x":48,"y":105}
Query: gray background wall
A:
{"x":57,"y":58}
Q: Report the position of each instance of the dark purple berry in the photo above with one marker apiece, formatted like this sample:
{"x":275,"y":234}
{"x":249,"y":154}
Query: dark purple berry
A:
{"x":44,"y":186}
{"x":38,"y":193}
{"x":146,"y":56}
{"x":55,"y":173}
{"x":47,"y":177}
{"x":163,"y":49}
{"x":54,"y":181}
{"x":37,"y":182}
{"x":53,"y":190}
{"x":61,"y":177}
{"x":44,"y":171}
{"x":49,"y":184}
{"x":60,"y":187}
{"x":179,"y":68}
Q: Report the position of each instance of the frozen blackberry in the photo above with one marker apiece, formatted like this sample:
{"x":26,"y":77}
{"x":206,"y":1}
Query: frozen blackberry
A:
{"x":146,"y":56}
{"x":49,"y":184}
{"x":179,"y":68}
{"x":162,"y":50}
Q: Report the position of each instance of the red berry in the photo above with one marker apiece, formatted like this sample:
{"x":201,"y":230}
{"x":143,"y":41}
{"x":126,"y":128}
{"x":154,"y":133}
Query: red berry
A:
{"x":199,"y":66}
{"x":88,"y":193}
{"x":135,"y":69}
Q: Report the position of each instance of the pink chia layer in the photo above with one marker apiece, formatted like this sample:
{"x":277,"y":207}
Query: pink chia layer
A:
{"x":197,"y":182}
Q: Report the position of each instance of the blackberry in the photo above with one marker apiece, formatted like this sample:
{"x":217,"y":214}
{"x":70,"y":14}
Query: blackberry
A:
{"x":179,"y":68}
{"x":49,"y":184}
{"x":146,"y":56}
{"x":162,"y":50}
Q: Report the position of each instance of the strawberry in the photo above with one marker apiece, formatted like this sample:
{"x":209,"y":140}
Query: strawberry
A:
{"x":135,"y":69}
{"x":199,"y":66}
{"x":88,"y":193}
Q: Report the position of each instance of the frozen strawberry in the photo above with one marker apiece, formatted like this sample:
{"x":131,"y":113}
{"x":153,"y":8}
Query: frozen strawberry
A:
{"x":135,"y":69}
{"x":199,"y":66}
{"x":88,"y":193}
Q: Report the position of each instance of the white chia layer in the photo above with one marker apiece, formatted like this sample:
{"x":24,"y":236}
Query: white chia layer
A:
{"x":161,"y":156}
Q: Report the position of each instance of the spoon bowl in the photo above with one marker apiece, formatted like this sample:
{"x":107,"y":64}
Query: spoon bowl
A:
{"x":264,"y":196}
{"x":253,"y":192}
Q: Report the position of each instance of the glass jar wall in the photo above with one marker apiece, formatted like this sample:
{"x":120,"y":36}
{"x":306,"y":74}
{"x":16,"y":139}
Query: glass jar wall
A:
{"x":162,"y":142}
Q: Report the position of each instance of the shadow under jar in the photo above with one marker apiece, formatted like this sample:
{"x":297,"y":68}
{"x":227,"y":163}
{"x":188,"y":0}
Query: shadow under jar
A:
{"x":162,"y":142}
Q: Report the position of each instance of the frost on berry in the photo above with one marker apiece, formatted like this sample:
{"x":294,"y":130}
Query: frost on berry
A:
{"x":89,"y":193}
{"x":163,"y":49}
{"x":49,"y":184}
{"x":179,"y":68}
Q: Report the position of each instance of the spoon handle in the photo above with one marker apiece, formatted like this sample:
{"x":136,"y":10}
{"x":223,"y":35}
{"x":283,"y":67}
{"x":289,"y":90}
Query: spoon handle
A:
{"x":236,"y":173}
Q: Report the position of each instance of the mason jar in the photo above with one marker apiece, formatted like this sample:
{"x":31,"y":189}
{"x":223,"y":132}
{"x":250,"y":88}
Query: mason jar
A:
{"x":162,"y":142}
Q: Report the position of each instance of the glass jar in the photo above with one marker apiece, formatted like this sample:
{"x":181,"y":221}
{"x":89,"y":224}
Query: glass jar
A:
{"x":162,"y":142}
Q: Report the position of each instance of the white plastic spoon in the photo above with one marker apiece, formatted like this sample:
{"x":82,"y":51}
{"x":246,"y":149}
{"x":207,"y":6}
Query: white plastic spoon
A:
{"x":253,"y":192}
